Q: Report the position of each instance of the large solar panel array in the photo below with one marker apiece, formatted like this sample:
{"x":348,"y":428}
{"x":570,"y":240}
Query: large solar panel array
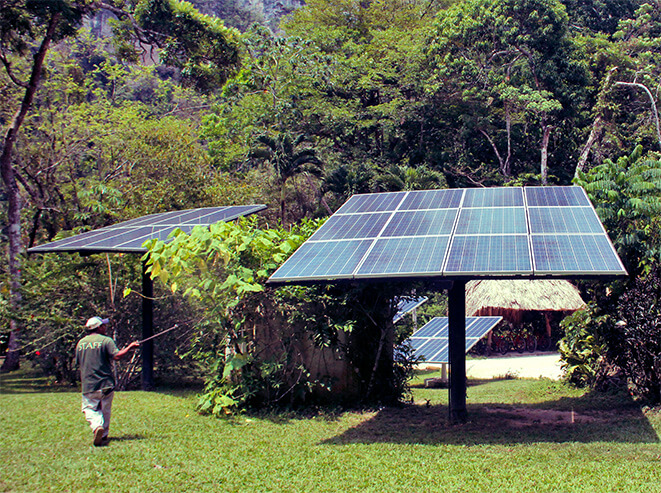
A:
{"x":431,"y":341}
{"x":506,"y":232}
{"x":129,"y":236}
{"x":407,"y":305}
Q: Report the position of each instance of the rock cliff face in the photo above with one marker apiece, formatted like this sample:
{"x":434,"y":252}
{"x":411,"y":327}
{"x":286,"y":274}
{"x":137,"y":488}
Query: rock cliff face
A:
{"x":243,"y":13}
{"x":270,"y":9}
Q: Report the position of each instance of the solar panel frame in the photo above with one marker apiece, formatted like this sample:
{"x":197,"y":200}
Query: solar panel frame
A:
{"x":473,"y":233}
{"x":128,"y":236}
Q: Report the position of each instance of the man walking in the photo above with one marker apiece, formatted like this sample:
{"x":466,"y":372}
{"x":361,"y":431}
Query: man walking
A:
{"x":94,"y":355}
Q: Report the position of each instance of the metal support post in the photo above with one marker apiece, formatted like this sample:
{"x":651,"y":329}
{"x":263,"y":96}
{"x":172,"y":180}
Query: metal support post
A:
{"x":457,"y":351}
{"x":147,"y":329}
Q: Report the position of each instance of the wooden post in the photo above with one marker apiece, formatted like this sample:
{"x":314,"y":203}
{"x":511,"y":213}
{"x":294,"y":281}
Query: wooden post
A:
{"x":147,"y":329}
{"x":457,"y":351}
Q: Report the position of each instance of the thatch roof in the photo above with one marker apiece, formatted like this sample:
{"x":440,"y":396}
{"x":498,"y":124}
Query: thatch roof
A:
{"x":488,"y":297}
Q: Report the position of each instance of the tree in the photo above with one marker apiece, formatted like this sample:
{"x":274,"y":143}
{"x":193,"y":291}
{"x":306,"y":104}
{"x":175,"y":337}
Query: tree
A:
{"x":369,"y":105}
{"x":397,"y":178}
{"x":288,"y":160}
{"x":507,"y":62}
{"x":185,"y":37}
{"x":625,"y":68}
{"x":626,"y":195}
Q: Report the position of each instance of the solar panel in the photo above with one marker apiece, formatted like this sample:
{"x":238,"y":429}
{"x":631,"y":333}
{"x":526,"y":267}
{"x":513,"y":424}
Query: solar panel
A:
{"x":493,"y":197}
{"x":405,"y":306}
{"x":578,"y":254}
{"x":129,"y":236}
{"x":489,"y":256}
{"x":325,"y":260}
{"x":371,"y":202}
{"x":431,"y":342}
{"x":340,"y":227}
{"x":397,"y":257}
{"x":507,"y":232}
{"x":556,"y":196}
{"x":492,"y":221}
{"x":421,"y":223}
{"x":432,"y":199}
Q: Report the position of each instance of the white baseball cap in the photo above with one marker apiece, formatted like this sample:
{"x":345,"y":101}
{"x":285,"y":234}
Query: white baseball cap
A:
{"x":94,"y":322}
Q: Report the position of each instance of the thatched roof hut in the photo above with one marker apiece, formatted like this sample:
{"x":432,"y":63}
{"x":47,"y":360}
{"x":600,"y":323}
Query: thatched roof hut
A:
{"x":509,"y":298}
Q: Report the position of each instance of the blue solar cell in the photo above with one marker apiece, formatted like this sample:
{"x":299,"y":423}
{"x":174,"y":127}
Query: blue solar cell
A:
{"x":433,"y":350}
{"x":432,"y":199}
{"x":500,"y":220}
{"x":405,"y":256}
{"x":436,"y":327}
{"x":564,"y":220}
{"x":323,"y":260}
{"x":416,"y":342}
{"x":431,"y":341}
{"x":479,"y":255}
{"x":575,"y":254}
{"x":372,"y":202}
{"x":405,"y":306}
{"x":421,"y":223}
{"x":479,"y":326}
{"x":351,"y":226}
{"x":556,"y":196}
{"x":493,"y":197}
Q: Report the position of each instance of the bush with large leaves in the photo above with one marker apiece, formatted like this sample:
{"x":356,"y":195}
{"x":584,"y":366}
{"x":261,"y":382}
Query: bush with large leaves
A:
{"x":619,"y":330}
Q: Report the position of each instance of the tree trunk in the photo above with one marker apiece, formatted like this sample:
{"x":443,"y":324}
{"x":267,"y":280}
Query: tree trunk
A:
{"x":283,"y":195}
{"x":544,"y":167}
{"x":502,"y":164}
{"x":13,"y":193}
{"x":508,"y":127}
{"x":592,"y":138}
{"x":598,"y":124}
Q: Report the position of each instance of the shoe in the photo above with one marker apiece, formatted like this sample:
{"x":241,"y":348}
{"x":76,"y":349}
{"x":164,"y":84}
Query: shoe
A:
{"x":105,"y":441}
{"x":98,"y":436}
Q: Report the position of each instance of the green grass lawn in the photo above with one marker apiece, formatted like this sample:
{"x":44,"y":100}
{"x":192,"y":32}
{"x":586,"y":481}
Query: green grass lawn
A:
{"x":522,"y":435}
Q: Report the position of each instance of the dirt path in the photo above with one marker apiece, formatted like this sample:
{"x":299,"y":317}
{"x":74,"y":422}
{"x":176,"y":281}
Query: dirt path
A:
{"x":538,"y":365}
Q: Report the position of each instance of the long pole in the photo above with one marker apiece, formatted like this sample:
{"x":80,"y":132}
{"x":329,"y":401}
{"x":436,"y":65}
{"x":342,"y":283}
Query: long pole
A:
{"x":158,"y":334}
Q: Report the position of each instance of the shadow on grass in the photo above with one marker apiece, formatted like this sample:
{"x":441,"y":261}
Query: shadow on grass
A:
{"x":27,"y":382}
{"x":125,"y":438}
{"x":579,"y":419}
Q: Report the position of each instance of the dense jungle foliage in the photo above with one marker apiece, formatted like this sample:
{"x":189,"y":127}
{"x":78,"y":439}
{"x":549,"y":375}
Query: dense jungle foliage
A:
{"x":148,"y":105}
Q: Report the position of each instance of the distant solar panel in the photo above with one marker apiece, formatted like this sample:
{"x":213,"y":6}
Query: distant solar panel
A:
{"x":405,"y":306}
{"x":431,"y":342}
{"x":459,"y":233}
{"x":129,"y":236}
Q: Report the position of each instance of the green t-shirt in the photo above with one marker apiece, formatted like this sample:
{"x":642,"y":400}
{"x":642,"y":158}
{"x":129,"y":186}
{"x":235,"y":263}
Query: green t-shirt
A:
{"x":94,"y":354}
